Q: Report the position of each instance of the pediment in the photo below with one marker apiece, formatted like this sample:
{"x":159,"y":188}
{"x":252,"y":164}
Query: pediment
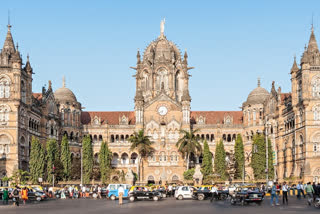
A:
{"x":162,"y":97}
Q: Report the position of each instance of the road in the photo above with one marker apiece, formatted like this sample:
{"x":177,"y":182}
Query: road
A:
{"x":167,"y":206}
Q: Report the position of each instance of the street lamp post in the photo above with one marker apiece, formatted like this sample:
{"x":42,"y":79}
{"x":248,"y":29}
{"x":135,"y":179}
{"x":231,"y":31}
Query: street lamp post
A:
{"x":81,"y":167}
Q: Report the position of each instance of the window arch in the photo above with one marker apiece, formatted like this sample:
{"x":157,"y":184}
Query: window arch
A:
{"x":4,"y":113}
{"x":316,"y":112}
{"x":4,"y":144}
{"x":4,"y":87}
{"x":316,"y":87}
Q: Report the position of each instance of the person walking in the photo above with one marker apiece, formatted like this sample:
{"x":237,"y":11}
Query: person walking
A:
{"x":5,"y":196}
{"x":309,"y":192}
{"x":274,"y":194}
{"x":300,"y":190}
{"x":285,"y":193}
{"x":84,"y":192}
{"x":15,"y":196}
{"x":24,"y":195}
{"x":120,"y":193}
{"x":99,"y":192}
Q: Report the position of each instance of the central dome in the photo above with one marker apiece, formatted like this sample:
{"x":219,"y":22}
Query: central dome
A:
{"x":257,"y":96}
{"x":65,"y":94}
{"x":162,"y":47}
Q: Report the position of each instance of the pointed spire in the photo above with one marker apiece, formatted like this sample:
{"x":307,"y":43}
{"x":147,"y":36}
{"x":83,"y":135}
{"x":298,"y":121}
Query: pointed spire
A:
{"x":185,"y":57}
{"x":50,"y":85}
{"x":8,"y":43}
{"x":63,"y":82}
{"x":138,"y":57}
{"x":312,"y":46}
{"x":259,"y":83}
{"x":28,"y":67}
{"x":295,"y":67}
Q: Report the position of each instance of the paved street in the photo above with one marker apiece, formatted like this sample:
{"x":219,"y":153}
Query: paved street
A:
{"x":168,"y":205}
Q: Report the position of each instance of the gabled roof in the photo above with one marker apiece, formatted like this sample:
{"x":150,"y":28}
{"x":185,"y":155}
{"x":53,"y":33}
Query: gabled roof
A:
{"x":215,"y":117}
{"x":107,"y":117}
{"x":37,"y":96}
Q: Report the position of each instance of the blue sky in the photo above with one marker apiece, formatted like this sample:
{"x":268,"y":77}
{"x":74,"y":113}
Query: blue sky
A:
{"x":93,"y":44}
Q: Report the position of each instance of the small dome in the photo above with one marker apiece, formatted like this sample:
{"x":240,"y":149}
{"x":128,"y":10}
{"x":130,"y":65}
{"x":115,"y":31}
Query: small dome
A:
{"x":257,"y":95}
{"x":65,"y":94}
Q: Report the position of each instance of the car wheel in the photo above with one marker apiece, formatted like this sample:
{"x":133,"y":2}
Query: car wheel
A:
{"x":180,"y":197}
{"x":155,"y":198}
{"x":233,"y":202}
{"x":131,"y":198}
{"x":112,"y":197}
{"x":200,"y":197}
{"x":38,"y":198}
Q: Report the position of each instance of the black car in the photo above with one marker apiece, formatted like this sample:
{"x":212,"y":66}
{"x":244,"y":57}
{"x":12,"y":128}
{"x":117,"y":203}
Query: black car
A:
{"x":202,"y":193}
{"x":142,"y":193}
{"x":35,"y":195}
{"x":245,"y":195}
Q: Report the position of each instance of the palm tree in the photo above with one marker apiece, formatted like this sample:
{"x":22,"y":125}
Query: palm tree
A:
{"x":143,"y":145}
{"x":189,"y":143}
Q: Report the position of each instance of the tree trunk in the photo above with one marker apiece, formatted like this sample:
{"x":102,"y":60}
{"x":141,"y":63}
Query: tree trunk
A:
{"x":188,"y":161}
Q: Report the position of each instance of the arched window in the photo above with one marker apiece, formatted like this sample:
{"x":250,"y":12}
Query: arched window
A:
{"x":316,"y":112}
{"x":23,"y":91}
{"x":124,"y":159}
{"x":4,"y":87}
{"x":115,"y":158}
{"x":133,"y":158}
{"x":316,"y":87}
{"x":4,"y":144}
{"x":4,"y":113}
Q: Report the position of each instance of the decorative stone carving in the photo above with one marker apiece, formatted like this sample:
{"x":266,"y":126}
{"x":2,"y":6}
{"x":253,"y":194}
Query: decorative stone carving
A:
{"x":129,"y":177}
{"x":198,"y":176}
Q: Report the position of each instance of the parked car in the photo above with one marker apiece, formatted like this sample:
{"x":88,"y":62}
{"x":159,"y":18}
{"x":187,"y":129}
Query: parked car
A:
{"x":161,"y":189}
{"x":247,"y":194}
{"x":112,"y":190}
{"x":202,"y":193}
{"x":142,"y":193}
{"x":36,"y":195}
{"x":184,"y":192}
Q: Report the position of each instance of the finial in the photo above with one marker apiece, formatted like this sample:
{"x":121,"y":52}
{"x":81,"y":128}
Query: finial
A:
{"x":17,"y":46}
{"x":63,"y":82}
{"x":50,"y":85}
{"x":28,"y":57}
{"x":9,"y":26}
{"x":259,"y":82}
{"x":312,"y":23}
{"x":162,"y":26}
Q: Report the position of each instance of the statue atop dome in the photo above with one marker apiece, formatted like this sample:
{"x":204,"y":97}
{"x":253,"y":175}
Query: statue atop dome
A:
{"x":162,"y":26}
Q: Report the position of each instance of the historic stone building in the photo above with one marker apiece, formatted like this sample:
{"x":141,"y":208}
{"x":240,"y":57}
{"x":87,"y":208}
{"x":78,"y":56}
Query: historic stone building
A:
{"x":162,"y":109}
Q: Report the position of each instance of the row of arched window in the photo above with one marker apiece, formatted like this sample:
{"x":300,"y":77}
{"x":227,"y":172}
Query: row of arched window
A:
{"x":123,"y":159}
{"x":119,"y":138}
{"x":70,"y":118}
{"x":96,"y":138}
{"x":163,"y":157}
{"x":34,"y":125}
{"x":207,"y":137}
{"x":73,"y":137}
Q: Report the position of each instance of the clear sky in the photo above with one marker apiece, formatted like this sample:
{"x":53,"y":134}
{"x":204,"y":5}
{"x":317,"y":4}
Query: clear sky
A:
{"x":93,"y":44}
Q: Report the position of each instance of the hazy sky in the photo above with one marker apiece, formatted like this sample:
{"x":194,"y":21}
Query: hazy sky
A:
{"x":93,"y":44}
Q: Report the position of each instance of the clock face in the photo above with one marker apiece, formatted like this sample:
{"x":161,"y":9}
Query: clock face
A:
{"x":162,"y":110}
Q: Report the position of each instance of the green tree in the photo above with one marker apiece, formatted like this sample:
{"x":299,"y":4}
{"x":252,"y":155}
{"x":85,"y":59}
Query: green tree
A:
{"x":188,"y":174}
{"x":189,"y":143}
{"x":258,"y":160}
{"x":105,"y":157}
{"x":87,"y":159}
{"x":65,"y":158}
{"x":239,"y":157}
{"x":37,"y":160}
{"x":220,"y":166}
{"x":143,"y":145}
{"x":19,"y":177}
{"x":206,"y":161}
{"x":51,"y":157}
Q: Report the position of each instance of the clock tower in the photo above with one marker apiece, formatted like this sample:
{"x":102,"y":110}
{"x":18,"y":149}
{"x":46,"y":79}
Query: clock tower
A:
{"x":162,"y":100}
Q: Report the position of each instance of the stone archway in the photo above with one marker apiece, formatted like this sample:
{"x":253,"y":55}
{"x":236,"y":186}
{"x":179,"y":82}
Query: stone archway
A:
{"x":150,"y":179}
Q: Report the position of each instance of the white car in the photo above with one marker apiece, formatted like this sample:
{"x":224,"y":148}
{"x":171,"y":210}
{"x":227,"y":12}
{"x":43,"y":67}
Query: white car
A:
{"x":184,"y":192}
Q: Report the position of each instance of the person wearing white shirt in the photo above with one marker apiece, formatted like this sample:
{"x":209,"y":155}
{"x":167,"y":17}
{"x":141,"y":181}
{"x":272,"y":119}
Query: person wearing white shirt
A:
{"x":84,"y":192}
{"x":120,"y":193}
{"x":214,"y":192}
{"x":285,"y":193}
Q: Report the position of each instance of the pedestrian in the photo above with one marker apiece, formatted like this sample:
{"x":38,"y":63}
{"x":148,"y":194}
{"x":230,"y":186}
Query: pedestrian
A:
{"x":15,"y":196}
{"x":84,"y":192}
{"x":309,"y":192}
{"x":285,"y":193}
{"x":170,"y":190}
{"x":214,"y":193}
{"x":274,"y":194}
{"x":50,"y":192}
{"x":24,"y":195}
{"x":300,"y":189}
{"x":314,"y":186}
{"x":5,"y":196}
{"x":99,"y":192}
{"x":120,"y":193}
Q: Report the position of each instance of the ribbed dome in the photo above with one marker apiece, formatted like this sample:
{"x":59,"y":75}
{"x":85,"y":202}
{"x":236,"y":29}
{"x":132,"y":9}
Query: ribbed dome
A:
{"x":65,"y":94}
{"x":257,"y":95}
{"x":162,"y":47}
